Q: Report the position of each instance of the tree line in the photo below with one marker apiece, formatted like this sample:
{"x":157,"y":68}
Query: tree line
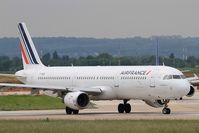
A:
{"x":104,"y":59}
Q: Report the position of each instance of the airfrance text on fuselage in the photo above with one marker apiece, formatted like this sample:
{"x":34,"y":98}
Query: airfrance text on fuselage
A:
{"x":132,"y":72}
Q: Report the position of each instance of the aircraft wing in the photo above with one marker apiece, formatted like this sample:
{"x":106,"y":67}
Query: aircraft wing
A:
{"x":193,"y":80}
{"x":41,"y":87}
{"x":90,"y":91}
{"x":195,"y":77}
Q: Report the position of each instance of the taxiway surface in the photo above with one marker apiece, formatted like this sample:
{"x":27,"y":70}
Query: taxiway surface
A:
{"x":181,"y":109}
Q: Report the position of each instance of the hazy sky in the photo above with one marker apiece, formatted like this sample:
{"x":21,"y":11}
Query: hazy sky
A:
{"x":100,"y":18}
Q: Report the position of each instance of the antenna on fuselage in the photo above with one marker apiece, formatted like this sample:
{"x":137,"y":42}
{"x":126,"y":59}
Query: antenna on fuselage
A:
{"x":119,"y":55}
{"x":157,"y":53}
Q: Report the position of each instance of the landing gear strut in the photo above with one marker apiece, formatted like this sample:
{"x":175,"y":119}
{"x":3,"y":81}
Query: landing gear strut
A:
{"x":125,"y":107}
{"x":166,"y":110}
{"x":69,"y":111}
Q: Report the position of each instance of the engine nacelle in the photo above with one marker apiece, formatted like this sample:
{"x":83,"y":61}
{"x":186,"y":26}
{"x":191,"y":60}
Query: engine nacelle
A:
{"x":191,"y":92}
{"x":76,"y":100}
{"x":155,"y":103}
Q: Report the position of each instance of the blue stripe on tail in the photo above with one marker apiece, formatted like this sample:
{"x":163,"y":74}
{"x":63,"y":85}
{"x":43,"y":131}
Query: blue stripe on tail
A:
{"x":28,"y":44}
{"x":31,"y":62}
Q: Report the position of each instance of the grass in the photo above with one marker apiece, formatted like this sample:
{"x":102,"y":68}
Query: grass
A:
{"x":29,"y":103}
{"x":99,"y":126}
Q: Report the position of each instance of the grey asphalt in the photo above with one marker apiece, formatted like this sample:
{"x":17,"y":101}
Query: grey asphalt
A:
{"x":188,"y":108}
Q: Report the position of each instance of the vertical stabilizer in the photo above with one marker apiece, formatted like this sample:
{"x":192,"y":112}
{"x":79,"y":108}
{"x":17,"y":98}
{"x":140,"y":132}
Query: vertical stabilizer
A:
{"x":28,"y":51}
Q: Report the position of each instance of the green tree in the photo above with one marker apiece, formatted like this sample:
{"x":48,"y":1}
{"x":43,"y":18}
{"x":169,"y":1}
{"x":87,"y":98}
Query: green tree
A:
{"x":55,"y":55}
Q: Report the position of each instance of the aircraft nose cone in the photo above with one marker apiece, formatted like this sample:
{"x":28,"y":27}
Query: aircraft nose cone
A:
{"x":184,"y":88}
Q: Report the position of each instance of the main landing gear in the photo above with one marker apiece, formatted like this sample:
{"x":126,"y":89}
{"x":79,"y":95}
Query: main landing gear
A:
{"x":70,"y":111}
{"x":166,"y":110}
{"x":125,"y":107}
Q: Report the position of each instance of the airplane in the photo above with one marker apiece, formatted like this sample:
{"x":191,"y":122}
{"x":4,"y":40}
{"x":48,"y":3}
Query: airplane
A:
{"x":77,"y":86}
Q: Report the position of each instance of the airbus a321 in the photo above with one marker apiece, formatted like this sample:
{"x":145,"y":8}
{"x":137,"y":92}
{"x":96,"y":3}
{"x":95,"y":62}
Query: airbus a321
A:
{"x":76,"y":86}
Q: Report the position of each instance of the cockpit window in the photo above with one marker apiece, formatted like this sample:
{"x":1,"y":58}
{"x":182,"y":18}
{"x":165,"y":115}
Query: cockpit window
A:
{"x":176,"y":77}
{"x":167,"y":77}
{"x":183,"y":77}
{"x":170,"y":77}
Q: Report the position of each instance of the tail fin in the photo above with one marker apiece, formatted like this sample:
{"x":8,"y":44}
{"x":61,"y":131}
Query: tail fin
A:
{"x":28,"y":51}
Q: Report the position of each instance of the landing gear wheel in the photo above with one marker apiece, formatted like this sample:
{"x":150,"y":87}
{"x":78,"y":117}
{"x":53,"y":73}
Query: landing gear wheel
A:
{"x":68,"y":111}
{"x":121,"y":108}
{"x":166,"y":111}
{"x":75,"y":112}
{"x":127,"y":108}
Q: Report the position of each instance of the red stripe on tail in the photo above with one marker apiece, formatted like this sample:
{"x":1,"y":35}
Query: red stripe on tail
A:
{"x":23,"y":53}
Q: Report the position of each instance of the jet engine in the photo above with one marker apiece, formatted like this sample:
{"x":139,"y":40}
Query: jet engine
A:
{"x":191,"y":92}
{"x":76,"y":100}
{"x":154,"y":103}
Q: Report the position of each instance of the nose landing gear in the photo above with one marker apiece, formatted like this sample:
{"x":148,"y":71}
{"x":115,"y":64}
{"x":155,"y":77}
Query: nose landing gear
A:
{"x":166,"y":110}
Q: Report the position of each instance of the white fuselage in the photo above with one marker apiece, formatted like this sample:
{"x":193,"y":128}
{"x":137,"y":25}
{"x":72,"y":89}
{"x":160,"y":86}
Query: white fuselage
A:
{"x":116,"y":82}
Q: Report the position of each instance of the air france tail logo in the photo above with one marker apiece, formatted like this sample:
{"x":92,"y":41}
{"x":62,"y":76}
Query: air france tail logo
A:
{"x":25,"y":46}
{"x":144,"y":72}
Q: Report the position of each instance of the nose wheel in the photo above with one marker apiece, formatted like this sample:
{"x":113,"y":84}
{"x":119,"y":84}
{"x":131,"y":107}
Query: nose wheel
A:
{"x":166,"y":110}
{"x":125,"y":107}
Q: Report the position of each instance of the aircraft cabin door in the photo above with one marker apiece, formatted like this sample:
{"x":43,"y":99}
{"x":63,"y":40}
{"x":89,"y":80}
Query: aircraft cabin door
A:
{"x":116,"y":82}
{"x":152,"y":82}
